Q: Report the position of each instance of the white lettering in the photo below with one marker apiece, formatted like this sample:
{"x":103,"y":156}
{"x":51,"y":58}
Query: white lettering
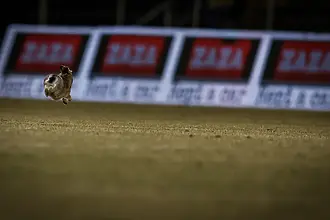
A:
{"x":217,"y":58}
{"x":131,"y":54}
{"x":197,"y":57}
{"x":315,"y":59}
{"x":301,"y":61}
{"x":286,"y":61}
{"x":47,"y":53}
{"x":325,"y":66}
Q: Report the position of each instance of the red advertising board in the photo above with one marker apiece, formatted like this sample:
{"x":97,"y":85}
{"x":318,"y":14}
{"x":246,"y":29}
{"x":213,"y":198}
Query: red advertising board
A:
{"x":306,"y":62}
{"x":131,"y":55}
{"x":217,"y":59}
{"x":44,"y":53}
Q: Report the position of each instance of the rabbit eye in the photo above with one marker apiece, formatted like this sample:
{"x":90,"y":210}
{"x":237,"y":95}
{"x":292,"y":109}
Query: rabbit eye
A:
{"x":51,"y":79}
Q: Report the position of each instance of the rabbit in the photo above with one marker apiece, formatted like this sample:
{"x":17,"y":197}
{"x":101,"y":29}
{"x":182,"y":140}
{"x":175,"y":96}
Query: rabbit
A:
{"x":58,"y":86}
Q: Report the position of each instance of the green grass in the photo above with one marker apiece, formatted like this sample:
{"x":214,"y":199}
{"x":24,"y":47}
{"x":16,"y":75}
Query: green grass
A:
{"x":107,"y":161}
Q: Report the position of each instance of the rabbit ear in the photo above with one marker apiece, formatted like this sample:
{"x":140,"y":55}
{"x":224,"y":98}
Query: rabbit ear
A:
{"x":63,"y":68}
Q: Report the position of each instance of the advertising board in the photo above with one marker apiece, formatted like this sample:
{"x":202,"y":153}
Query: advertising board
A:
{"x":174,"y":66}
{"x":128,"y":67}
{"x":296,"y":74}
{"x":29,"y":54}
{"x":213,"y":70}
{"x":298,"y":62}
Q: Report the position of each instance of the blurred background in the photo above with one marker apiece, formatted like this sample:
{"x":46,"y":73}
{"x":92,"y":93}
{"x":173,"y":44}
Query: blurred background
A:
{"x":110,"y":161}
{"x":293,"y":15}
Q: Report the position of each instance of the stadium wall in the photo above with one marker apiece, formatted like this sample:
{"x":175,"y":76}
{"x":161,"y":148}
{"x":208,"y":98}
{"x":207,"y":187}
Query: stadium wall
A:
{"x":224,"y":68}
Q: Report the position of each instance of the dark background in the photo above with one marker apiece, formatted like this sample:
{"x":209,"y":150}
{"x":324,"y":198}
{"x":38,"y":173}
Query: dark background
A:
{"x":308,"y":15}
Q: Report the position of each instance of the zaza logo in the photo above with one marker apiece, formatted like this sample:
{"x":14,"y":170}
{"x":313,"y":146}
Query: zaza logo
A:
{"x":132,"y":54}
{"x":217,"y":58}
{"x":46,"y":52}
{"x":303,"y":61}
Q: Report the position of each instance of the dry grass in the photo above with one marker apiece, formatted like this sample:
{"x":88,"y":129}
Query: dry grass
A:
{"x":104,"y":161}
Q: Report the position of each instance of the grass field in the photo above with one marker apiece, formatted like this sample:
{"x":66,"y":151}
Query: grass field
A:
{"x":106,"y":161}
